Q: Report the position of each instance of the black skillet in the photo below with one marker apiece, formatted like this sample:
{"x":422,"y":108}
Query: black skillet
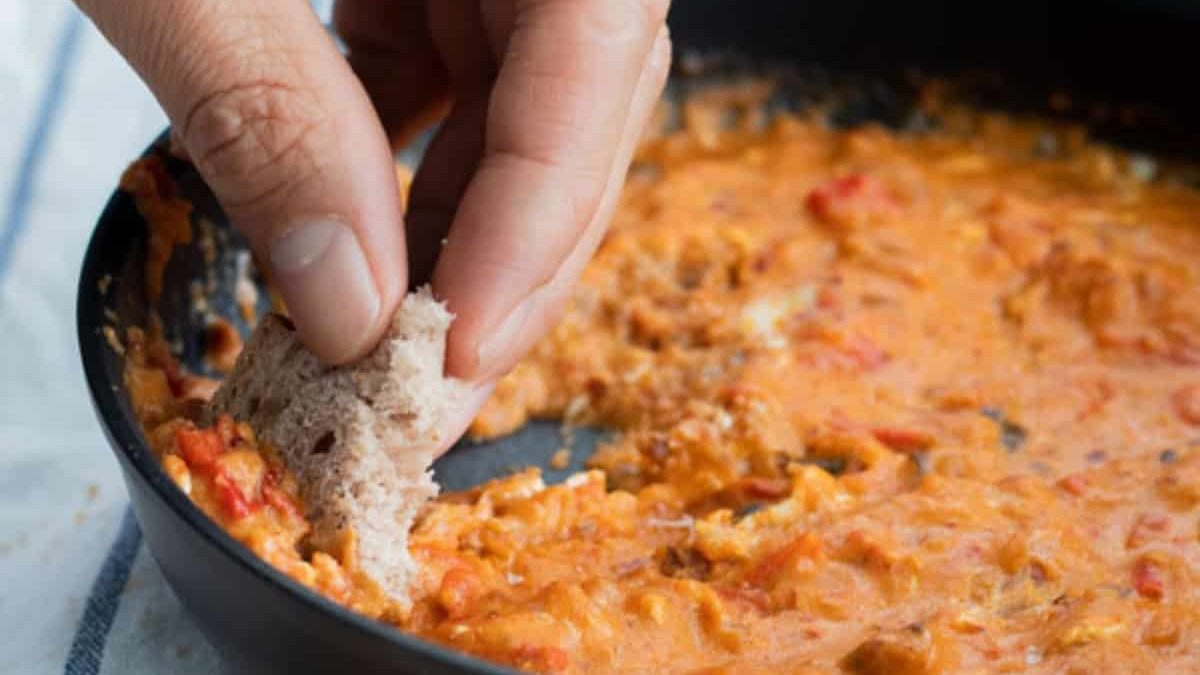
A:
{"x":260,"y":621}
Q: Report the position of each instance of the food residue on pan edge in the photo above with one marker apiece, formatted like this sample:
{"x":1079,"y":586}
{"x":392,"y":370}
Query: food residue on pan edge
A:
{"x":888,"y":403}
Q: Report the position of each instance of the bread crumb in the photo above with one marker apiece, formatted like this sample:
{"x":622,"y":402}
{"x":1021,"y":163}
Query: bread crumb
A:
{"x":104,"y":283}
{"x":110,"y":334}
{"x":561,"y":459}
{"x":93,"y":492}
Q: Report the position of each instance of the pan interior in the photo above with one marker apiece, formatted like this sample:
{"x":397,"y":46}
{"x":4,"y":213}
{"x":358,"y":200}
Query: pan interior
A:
{"x":213,"y":265}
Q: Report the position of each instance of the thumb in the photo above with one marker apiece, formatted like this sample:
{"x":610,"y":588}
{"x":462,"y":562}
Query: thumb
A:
{"x":285,"y":136}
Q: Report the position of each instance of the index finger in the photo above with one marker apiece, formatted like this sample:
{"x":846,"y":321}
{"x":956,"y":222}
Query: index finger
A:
{"x":555,"y":120}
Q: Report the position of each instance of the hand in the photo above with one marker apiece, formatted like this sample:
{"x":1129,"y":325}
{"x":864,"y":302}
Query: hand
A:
{"x":546,"y":100}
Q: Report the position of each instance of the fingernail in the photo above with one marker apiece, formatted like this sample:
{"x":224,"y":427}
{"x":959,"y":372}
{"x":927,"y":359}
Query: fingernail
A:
{"x":327,"y":286}
{"x":492,"y":352}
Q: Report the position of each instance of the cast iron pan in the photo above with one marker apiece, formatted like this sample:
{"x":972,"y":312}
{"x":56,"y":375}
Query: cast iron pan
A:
{"x":859,"y":52}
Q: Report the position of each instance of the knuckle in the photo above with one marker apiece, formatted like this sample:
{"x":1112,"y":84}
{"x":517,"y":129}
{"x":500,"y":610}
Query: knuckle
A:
{"x":577,"y":202}
{"x":554,"y":120}
{"x":254,"y":140}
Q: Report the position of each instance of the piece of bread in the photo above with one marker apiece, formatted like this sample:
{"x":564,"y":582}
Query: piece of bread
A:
{"x":359,"y":438}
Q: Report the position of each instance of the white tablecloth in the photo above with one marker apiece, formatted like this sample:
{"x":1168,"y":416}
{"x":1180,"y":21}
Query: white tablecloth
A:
{"x":79,"y":594}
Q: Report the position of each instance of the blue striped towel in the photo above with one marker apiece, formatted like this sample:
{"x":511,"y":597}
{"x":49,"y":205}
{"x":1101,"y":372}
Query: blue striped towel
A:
{"x":79,"y":593}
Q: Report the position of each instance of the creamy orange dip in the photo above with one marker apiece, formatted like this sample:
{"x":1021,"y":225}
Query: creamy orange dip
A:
{"x":885,"y":403}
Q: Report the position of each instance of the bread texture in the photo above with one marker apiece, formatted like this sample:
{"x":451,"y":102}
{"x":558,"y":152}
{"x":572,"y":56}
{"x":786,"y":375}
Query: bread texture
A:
{"x":359,"y":438}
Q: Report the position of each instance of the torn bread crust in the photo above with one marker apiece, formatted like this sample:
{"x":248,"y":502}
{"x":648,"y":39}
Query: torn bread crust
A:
{"x":359,"y":438}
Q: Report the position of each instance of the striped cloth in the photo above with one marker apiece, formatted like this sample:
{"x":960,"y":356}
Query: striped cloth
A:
{"x":79,"y":593}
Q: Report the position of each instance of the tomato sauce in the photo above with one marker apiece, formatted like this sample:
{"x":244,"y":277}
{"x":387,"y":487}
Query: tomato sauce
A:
{"x":885,"y":403}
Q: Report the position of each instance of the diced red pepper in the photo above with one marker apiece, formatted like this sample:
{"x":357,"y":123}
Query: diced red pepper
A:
{"x":1148,"y":579}
{"x":842,"y":200}
{"x":159,"y":354}
{"x":199,"y":447}
{"x":176,"y":379}
{"x":806,"y":545}
{"x":1148,"y":527}
{"x":280,"y":501}
{"x":827,"y":297}
{"x":1185,"y":355}
{"x":1186,"y":401}
{"x":765,"y":488}
{"x":235,"y":503}
{"x":903,"y":439}
{"x":1075,"y":483}
{"x":458,"y":591}
{"x":226,"y":430}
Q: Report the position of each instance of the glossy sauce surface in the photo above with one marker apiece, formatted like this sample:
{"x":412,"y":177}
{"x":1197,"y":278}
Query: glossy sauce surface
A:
{"x":887,"y":404}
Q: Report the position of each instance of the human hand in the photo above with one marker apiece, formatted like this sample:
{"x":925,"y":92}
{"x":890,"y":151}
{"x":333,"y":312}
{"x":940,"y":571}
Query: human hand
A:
{"x":546,"y":100}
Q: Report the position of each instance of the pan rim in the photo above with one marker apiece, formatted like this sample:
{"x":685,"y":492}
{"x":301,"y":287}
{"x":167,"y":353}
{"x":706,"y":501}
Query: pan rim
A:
{"x":128,"y":442}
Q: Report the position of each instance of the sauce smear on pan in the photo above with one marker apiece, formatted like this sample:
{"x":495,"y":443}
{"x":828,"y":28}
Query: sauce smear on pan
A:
{"x":886,"y":403}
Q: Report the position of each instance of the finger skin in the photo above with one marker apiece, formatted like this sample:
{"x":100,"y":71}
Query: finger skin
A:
{"x":547,"y":302}
{"x":440,"y":182}
{"x":283,"y":132}
{"x":457,"y":32}
{"x":390,"y":49}
{"x":287,"y":136}
{"x":555,"y":127}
